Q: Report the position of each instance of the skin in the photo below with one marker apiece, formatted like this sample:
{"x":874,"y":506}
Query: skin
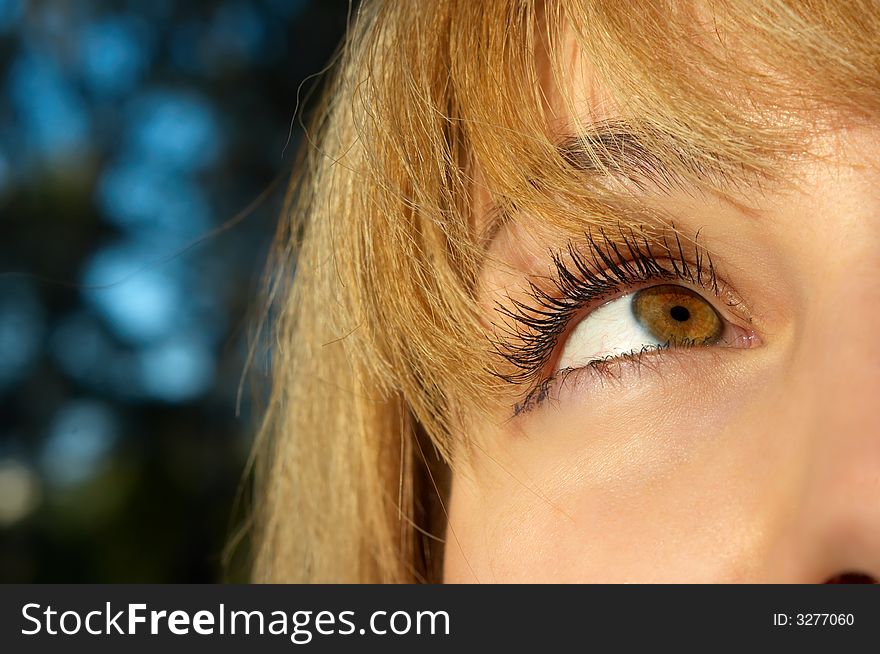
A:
{"x":758,"y":464}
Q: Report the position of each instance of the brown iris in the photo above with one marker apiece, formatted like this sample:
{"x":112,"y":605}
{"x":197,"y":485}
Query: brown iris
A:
{"x":677,"y":315}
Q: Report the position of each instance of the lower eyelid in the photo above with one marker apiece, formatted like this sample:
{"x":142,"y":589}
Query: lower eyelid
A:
{"x":604,"y":370}
{"x":618,"y":370}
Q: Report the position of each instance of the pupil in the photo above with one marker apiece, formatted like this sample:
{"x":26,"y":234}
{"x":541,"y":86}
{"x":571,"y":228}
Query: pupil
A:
{"x":679,"y":313}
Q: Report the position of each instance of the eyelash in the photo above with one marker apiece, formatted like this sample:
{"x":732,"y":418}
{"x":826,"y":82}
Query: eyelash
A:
{"x":580,"y":279}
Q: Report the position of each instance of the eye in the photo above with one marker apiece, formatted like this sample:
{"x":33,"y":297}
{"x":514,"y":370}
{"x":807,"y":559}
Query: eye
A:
{"x":667,"y":315}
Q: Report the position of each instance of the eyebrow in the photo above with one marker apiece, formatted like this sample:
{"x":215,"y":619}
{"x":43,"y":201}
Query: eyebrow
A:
{"x":613,"y":151}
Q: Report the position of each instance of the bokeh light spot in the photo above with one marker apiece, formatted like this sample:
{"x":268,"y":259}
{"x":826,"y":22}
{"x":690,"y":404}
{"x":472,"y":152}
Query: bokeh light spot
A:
{"x":79,"y":441}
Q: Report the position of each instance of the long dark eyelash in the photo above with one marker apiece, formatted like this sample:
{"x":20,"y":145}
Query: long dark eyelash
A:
{"x":603,"y":269}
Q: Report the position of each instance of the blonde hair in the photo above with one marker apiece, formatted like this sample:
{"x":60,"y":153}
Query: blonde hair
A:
{"x":380,"y":353}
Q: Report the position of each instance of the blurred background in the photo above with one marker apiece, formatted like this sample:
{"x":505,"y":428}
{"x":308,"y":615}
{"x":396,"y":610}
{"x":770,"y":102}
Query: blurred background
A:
{"x":132,"y":133}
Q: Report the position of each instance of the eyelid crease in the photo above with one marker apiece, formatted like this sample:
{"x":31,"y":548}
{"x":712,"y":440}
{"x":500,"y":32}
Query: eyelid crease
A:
{"x":611,"y":149}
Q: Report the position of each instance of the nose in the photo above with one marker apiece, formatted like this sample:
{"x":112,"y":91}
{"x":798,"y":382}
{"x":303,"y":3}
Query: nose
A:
{"x":828,"y":527}
{"x":852,"y":578}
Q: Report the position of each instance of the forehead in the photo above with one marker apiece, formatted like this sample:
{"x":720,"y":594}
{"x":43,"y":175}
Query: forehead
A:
{"x":571,"y":87}
{"x":581,"y":115}
{"x":572,"y":96}
{"x":726,"y":91}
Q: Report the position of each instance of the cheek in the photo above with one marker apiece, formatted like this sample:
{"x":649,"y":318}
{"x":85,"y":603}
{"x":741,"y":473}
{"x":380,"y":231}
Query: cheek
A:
{"x":660,"y":480}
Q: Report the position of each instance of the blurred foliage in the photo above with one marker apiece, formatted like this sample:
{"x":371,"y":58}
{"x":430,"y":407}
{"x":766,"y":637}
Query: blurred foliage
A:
{"x":131,"y":132}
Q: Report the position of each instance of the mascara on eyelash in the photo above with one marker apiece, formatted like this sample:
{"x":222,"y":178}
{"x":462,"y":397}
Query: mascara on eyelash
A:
{"x":604,"y":367}
{"x":533,"y":327}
